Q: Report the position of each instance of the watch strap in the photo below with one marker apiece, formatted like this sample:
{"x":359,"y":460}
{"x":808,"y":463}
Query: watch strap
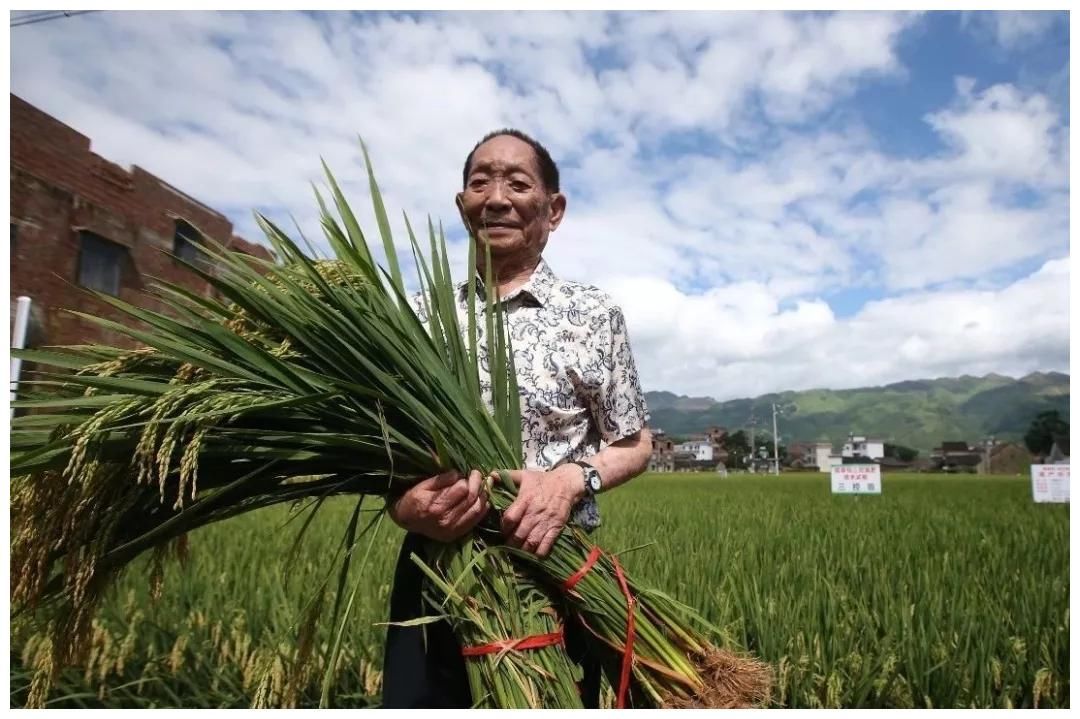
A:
{"x":590,"y":472}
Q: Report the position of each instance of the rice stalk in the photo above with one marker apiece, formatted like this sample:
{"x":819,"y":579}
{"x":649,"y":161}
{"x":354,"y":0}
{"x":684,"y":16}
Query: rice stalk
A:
{"x":308,"y":378}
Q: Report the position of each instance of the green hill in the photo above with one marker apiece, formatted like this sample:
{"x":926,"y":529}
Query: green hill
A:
{"x":916,"y":413}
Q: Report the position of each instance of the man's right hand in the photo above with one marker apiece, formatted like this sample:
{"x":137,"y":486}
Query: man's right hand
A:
{"x":443,"y":507}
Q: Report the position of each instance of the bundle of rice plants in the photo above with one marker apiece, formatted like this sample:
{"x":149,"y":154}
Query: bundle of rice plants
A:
{"x":307,"y":378}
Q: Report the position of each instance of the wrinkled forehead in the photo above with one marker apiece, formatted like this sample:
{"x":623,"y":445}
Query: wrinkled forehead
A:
{"x":505,"y":154}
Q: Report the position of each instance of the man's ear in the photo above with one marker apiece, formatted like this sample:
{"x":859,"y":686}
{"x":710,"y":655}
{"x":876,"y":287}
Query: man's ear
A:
{"x":558,"y":209}
{"x":459,"y":200}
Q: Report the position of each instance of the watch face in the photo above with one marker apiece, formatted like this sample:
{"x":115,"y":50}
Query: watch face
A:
{"x":594,"y":481}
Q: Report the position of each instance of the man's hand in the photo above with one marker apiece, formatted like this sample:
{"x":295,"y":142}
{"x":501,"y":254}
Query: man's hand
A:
{"x":544,"y":501}
{"x":443,"y":507}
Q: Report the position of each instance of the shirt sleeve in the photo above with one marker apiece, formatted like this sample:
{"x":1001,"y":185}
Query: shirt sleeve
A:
{"x":611,"y":383}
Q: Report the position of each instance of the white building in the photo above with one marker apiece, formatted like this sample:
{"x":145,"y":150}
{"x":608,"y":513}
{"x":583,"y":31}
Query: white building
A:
{"x":855,"y":446}
{"x":702,"y":450}
{"x":858,"y":446}
{"x":822,"y":452}
{"x":834,"y":460}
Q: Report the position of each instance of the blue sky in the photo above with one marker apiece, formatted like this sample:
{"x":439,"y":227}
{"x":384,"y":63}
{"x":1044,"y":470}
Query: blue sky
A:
{"x":943,"y":46}
{"x":777,"y":200}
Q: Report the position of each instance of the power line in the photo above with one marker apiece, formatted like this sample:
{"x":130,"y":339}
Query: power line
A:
{"x":45,"y":16}
{"x":30,"y":14}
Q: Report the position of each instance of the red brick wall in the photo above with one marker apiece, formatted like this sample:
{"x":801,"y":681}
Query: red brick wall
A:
{"x":59,"y":186}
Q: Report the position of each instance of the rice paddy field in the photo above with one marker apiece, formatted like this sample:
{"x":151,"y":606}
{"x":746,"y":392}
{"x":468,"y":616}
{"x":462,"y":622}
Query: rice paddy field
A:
{"x":941,"y":592}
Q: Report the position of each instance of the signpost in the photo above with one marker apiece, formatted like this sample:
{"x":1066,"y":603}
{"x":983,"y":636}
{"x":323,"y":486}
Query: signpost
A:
{"x":1050,"y":483}
{"x":856,"y":479}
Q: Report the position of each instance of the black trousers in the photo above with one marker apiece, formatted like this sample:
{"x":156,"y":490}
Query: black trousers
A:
{"x":423,"y":667}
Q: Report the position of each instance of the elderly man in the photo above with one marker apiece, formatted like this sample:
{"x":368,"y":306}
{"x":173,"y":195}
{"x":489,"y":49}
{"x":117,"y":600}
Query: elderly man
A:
{"x":583,"y":412}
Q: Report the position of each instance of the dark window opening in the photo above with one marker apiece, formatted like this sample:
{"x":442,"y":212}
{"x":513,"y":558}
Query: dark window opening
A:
{"x":186,"y":243}
{"x":99,"y":263}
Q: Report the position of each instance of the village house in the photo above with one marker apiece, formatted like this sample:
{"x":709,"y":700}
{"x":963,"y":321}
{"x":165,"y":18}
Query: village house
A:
{"x":662,"y":458}
{"x":716,"y":435}
{"x":1006,"y":458}
{"x":804,"y":455}
{"x":698,"y":452}
{"x":857,"y":448}
{"x":715,"y":457}
{"x":895,"y":464}
{"x":823,"y":452}
{"x":80,"y":222}
{"x":955,"y":456}
{"x":866,"y":447}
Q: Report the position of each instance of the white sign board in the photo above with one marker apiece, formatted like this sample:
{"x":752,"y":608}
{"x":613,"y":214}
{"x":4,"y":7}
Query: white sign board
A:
{"x":1050,"y":482}
{"x":856,"y":479}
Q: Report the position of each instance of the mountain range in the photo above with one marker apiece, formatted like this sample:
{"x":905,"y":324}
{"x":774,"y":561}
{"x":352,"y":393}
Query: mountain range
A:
{"x":915,"y":413}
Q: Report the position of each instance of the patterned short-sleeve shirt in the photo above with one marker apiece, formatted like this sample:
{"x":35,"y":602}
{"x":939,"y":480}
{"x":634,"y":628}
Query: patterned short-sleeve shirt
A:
{"x":577,"y":379}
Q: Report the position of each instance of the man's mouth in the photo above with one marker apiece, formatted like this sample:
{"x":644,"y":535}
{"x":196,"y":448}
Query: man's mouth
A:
{"x":493,"y":225}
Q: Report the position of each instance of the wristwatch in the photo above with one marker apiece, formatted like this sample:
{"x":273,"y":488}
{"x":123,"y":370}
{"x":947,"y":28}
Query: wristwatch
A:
{"x":593,"y":485}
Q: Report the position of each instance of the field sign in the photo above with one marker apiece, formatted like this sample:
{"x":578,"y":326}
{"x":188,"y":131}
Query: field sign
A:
{"x":856,"y":479}
{"x":1050,"y":482}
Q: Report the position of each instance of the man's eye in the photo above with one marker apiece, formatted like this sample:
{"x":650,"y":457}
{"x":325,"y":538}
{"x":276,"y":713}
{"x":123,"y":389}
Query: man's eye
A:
{"x":478,"y":183}
{"x":519,"y":186}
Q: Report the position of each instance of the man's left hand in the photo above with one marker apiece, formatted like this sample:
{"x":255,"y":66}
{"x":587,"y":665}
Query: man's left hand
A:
{"x":544,"y":501}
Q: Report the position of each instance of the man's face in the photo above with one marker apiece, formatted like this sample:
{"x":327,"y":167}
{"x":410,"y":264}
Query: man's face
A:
{"x":505,"y":201}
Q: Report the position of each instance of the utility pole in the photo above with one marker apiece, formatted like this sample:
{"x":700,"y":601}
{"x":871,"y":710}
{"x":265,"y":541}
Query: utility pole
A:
{"x":753,"y":449}
{"x":988,"y":448}
{"x":775,"y":443}
{"x":779,"y":409}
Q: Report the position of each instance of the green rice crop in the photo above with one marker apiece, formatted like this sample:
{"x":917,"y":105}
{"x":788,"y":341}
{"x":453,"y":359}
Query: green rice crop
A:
{"x":941,"y":592}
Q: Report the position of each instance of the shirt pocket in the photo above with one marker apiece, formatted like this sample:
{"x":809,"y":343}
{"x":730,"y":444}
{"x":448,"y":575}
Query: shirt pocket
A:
{"x":555,"y":412}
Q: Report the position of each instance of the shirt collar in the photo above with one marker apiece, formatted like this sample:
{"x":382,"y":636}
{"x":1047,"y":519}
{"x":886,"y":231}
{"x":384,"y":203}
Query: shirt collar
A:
{"x":539,"y":285}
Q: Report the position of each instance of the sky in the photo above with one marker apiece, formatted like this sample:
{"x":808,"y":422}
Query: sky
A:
{"x":777,"y":201}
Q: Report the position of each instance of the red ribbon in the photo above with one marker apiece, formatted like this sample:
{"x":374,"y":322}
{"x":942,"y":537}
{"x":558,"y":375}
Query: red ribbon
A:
{"x":628,"y":650}
{"x":628,"y":647}
{"x":536,"y":641}
{"x":579,"y":574}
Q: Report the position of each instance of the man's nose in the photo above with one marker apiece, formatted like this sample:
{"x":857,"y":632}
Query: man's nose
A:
{"x":496,"y":196}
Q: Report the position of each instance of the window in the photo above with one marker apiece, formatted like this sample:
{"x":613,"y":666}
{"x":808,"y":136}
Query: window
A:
{"x":99,"y":263}
{"x":186,"y":243}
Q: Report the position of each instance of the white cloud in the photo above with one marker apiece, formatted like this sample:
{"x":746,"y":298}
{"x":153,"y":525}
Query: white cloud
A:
{"x":691,"y":69}
{"x":1001,"y":133}
{"x":959,"y":232}
{"x":722,"y":252}
{"x":825,"y":57}
{"x":1015,"y":29}
{"x":740,"y":342}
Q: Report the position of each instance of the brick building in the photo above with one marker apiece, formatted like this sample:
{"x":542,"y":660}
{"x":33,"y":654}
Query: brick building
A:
{"x":662,"y":458}
{"x":79,"y":221}
{"x":698,"y":452}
